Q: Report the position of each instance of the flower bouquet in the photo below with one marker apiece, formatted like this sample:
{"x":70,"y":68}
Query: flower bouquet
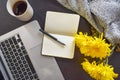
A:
{"x":96,"y":47}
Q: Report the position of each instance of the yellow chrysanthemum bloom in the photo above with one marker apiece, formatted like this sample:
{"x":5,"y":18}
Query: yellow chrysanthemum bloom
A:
{"x":100,"y":71}
{"x":92,"y":46}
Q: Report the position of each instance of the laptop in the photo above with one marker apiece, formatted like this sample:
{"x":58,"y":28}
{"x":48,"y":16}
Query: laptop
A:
{"x":20,"y":56}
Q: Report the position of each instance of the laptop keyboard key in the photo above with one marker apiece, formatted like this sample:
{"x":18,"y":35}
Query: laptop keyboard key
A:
{"x":2,"y":44}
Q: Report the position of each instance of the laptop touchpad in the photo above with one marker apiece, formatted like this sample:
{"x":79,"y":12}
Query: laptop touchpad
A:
{"x":31,"y":35}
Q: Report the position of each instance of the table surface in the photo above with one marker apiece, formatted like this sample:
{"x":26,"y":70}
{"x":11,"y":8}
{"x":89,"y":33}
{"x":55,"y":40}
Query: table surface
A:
{"x":70,"y":68}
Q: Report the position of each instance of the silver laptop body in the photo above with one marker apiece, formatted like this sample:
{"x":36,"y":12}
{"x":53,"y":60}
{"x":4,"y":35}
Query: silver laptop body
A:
{"x":29,"y":38}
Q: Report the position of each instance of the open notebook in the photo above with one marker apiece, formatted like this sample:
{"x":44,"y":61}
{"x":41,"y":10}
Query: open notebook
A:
{"x":62,"y":26}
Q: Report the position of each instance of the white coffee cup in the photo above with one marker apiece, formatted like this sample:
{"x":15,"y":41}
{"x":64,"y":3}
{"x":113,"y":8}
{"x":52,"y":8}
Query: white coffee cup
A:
{"x":26,"y":15}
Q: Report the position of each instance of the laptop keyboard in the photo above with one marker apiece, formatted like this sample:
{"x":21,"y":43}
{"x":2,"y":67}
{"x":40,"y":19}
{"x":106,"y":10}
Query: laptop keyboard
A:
{"x":17,"y":59}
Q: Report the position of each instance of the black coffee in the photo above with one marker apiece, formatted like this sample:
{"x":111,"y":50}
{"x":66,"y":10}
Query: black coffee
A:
{"x":19,"y":7}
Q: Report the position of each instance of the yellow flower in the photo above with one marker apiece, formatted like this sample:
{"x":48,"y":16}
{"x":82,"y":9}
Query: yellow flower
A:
{"x":100,"y":71}
{"x":92,"y":46}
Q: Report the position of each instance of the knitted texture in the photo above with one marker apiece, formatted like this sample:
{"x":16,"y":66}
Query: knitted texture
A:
{"x":103,"y":15}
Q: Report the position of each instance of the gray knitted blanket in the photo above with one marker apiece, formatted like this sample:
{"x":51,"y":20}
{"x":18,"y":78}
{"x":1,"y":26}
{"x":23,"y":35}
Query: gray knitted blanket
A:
{"x":103,"y":15}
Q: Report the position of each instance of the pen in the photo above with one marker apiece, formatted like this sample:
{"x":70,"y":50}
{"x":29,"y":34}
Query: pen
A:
{"x":51,"y":36}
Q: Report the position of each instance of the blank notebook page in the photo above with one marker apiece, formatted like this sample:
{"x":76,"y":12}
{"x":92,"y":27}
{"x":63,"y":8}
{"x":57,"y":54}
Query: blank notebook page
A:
{"x":62,"y":26}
